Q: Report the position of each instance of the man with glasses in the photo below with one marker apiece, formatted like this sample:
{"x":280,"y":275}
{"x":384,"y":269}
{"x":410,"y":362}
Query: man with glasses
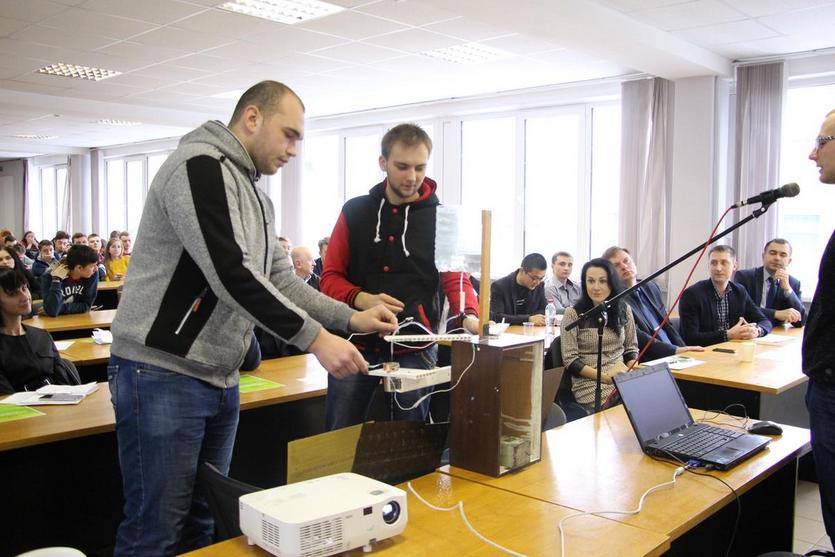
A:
{"x":819,"y":345}
{"x":520,"y":296}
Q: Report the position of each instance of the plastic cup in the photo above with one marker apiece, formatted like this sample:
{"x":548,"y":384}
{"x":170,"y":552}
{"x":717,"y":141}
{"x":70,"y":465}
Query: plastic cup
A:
{"x":527,"y":327}
{"x":746,"y":351}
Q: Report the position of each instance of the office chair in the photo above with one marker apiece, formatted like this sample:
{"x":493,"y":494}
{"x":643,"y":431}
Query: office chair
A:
{"x":222,"y":493}
{"x":556,"y":417}
{"x":565,"y":398}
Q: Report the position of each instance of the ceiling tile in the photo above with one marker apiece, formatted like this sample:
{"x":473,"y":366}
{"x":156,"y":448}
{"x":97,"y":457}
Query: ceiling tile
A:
{"x":413,"y":40}
{"x":241,"y":50}
{"x":155,"y":11}
{"x":689,"y":14}
{"x":629,"y":6}
{"x":193,"y":89}
{"x":180,"y":39}
{"x":103,"y":25}
{"x":407,"y":12}
{"x":522,"y":44}
{"x":172,"y":72}
{"x":207,"y":63}
{"x":12,"y":47}
{"x":140,"y":81}
{"x":9,"y":25}
{"x":352,"y":25}
{"x":359,"y":53}
{"x":291,"y":39}
{"x":31,"y":10}
{"x":61,"y":38}
{"x":141,"y":52}
{"x":227,"y":24}
{"x":813,"y":21}
{"x":733,"y":32}
{"x":32,"y":87}
{"x":467,"y":29}
{"x":758,"y":8}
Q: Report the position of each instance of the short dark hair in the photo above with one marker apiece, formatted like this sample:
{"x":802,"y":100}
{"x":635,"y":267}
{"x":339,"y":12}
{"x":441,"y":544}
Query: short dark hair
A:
{"x":92,"y":235}
{"x":617,"y":310}
{"x":266,"y":96}
{"x":324,"y":241}
{"x":612,"y":251}
{"x":10,"y":238}
{"x":777,"y":241}
{"x":124,"y":233}
{"x":534,"y":261}
{"x":11,"y":280}
{"x":44,"y":243}
{"x":407,"y":134}
{"x":722,"y":248}
{"x":560,"y":254}
{"x":80,"y":255}
{"x":61,"y":235}
{"x":78,"y":235}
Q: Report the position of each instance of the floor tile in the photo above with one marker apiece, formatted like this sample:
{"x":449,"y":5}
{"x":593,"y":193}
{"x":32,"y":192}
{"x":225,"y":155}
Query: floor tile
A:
{"x":808,"y":530}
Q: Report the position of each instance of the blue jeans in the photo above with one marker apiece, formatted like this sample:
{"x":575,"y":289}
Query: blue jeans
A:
{"x":820,"y":400}
{"x":349,"y":399}
{"x":167,"y":425}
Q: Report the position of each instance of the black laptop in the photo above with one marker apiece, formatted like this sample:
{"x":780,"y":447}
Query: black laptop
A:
{"x":664,"y":426}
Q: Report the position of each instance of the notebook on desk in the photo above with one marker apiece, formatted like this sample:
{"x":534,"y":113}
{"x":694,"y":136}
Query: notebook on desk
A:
{"x":664,"y":425}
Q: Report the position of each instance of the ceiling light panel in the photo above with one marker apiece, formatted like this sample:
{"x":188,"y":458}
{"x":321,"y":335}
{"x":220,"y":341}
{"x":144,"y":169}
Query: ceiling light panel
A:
{"x":34,"y":136}
{"x":77,"y":72}
{"x":282,"y":11}
{"x":467,"y":53}
{"x":111,"y":122}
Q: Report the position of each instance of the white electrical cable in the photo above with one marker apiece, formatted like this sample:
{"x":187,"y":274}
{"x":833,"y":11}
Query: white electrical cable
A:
{"x":678,"y":472}
{"x":460,"y":507}
{"x":427,"y":395}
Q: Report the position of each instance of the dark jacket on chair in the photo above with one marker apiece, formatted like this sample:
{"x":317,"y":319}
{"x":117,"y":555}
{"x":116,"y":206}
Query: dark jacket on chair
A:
{"x":752,"y":280}
{"x":659,"y":348}
{"x":504,"y":294}
{"x":698,"y":313}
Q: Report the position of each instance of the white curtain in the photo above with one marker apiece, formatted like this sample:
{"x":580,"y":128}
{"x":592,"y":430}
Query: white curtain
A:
{"x":65,"y":211}
{"x":759,"y":105}
{"x":646,"y":171}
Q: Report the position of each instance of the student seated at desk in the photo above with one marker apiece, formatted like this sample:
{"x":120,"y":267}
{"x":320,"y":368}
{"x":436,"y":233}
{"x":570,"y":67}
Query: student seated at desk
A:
{"x":71,"y":286}
{"x":520,"y":296}
{"x":115,"y":261}
{"x":28,"y":357}
{"x":10,"y":260}
{"x":579,"y":345}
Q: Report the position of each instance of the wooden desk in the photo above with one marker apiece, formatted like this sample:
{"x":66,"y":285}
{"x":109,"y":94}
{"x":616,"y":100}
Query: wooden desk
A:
{"x":106,"y":285}
{"x":85,"y":352}
{"x":596,"y":464}
{"x":74,"y":324}
{"x":107,"y":295}
{"x":523,"y":524}
{"x":772,"y":386}
{"x":62,"y":468}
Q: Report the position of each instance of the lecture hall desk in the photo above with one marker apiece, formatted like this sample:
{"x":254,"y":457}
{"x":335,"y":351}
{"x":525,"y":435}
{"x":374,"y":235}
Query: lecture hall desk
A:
{"x":74,"y":324}
{"x":595,"y":463}
{"x":523,"y":524}
{"x":61,"y":469}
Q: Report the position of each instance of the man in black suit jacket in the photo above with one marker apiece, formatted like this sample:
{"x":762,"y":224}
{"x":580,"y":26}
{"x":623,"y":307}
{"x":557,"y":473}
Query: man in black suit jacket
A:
{"x":717,"y":309}
{"x":772,"y":288}
{"x":520,"y":296}
{"x":648,"y":309}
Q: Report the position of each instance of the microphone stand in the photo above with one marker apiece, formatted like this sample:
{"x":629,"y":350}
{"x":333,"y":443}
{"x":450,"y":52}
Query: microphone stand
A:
{"x":601,"y":308}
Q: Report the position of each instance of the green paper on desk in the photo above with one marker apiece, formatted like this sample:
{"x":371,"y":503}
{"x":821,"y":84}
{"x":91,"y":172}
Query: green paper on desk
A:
{"x":251,"y":383}
{"x":12,"y":412}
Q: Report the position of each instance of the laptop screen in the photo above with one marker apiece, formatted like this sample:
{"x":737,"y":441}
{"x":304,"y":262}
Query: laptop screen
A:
{"x":653,"y":401}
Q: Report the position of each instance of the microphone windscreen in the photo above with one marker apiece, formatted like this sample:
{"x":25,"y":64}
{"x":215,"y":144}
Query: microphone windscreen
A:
{"x":790,"y":190}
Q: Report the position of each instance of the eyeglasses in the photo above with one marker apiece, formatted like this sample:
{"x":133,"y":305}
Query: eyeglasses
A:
{"x":535,"y":278}
{"x":822,"y":140}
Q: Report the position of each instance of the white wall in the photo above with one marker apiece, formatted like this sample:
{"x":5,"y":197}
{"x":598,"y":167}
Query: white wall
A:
{"x":11,"y":196}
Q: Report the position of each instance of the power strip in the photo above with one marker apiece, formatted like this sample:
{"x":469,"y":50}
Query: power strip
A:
{"x":428,"y":338}
{"x":409,"y":379}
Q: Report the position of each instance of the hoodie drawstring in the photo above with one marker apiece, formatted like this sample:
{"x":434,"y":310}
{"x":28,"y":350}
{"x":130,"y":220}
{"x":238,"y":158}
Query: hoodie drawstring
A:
{"x":377,"y":239}
{"x":405,"y":226}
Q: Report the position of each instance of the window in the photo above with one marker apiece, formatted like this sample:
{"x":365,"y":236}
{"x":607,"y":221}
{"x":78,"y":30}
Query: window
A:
{"x":126,"y":184}
{"x":806,"y":220}
{"x":48,"y":201}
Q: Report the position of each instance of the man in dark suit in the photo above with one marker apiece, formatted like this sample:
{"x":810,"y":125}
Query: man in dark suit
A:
{"x":648,"y":309}
{"x":520,"y":296}
{"x":718,"y":309}
{"x":771,"y":286}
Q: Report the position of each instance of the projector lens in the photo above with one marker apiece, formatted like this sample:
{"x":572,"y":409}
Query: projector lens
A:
{"x":391,"y":512}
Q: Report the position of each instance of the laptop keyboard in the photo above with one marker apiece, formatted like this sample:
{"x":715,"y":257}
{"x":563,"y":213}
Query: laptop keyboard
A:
{"x":702,"y":442}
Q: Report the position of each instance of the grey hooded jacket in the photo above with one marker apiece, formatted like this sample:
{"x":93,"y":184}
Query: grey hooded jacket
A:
{"x":206,"y":266}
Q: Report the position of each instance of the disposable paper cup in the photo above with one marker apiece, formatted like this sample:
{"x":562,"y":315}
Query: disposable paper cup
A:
{"x":746,"y":351}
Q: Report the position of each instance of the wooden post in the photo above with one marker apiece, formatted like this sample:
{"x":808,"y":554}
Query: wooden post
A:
{"x":484,"y":285}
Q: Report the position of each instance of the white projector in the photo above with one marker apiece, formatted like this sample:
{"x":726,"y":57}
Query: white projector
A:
{"x":323,"y":516}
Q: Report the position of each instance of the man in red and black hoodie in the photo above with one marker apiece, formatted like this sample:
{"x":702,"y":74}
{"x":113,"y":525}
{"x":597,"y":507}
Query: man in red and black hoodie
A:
{"x":382,"y":251}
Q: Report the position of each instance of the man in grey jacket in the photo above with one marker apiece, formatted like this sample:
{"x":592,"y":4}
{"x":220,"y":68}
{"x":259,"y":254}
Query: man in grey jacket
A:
{"x":204,"y":269}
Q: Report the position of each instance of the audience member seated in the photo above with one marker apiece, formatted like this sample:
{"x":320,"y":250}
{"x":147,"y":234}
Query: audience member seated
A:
{"x":520,"y":296}
{"x":28,"y":357}
{"x":9,"y":240}
{"x":70,"y":287}
{"x":46,"y":258}
{"x":648,"y":309}
{"x":559,"y":288}
{"x":20,"y":251}
{"x":31,"y":244}
{"x":579,"y":345}
{"x":718,"y":309}
{"x":303,"y":266}
{"x":772,"y":288}
{"x":94,"y":241}
{"x":115,"y":262}
{"x":80,"y":239}
{"x":127,"y":243}
{"x":10,"y":260}
{"x":320,"y":261}
{"x":61,"y":243}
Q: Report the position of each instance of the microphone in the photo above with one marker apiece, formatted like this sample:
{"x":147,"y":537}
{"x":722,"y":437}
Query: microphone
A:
{"x":770,"y":196}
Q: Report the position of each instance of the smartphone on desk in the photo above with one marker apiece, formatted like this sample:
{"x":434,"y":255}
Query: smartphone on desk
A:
{"x":725,"y":350}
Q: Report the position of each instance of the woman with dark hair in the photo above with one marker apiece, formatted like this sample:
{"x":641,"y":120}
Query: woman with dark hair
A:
{"x":9,"y":259}
{"x":599,"y":282}
{"x":30,"y":244}
{"x":28,"y":357}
